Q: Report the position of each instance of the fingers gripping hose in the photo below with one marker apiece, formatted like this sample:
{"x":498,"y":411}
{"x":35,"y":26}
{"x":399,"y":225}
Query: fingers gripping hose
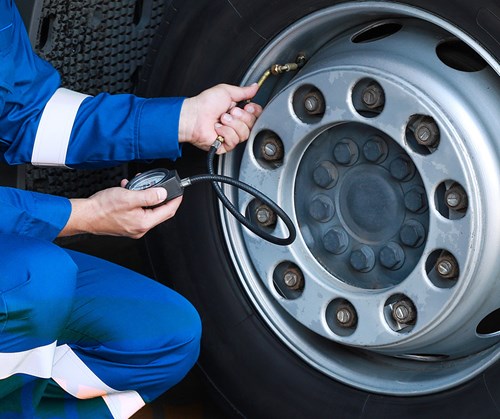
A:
{"x":175,"y":186}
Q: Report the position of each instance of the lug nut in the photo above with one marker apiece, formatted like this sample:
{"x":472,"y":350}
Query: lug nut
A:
{"x":375,"y":150}
{"x":336,"y":241}
{"x":456,"y":198}
{"x":373,"y":96}
{"x":314,"y":103}
{"x":412,"y":234}
{"x":272,"y":149}
{"x":363,"y":259}
{"x":404,"y":312}
{"x":346,"y":315}
{"x":415,"y":200}
{"x":325,"y":175}
{"x":293,"y":278}
{"x":392,"y":256}
{"x":447,"y":266}
{"x":322,"y":208}
{"x":426,"y":131}
{"x":346,"y":152}
{"x":402,"y":169}
{"x":265,"y":216}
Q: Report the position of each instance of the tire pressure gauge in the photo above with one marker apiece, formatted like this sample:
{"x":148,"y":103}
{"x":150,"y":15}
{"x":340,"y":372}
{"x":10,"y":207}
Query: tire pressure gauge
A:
{"x":167,"y":179}
{"x":170,"y":180}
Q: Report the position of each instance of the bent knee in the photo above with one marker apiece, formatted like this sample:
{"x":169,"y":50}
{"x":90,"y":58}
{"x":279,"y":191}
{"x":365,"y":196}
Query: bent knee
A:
{"x":183,"y":348}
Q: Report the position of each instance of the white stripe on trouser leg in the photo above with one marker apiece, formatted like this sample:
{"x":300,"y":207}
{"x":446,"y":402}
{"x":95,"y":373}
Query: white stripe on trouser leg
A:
{"x":36,"y":362}
{"x":54,"y":129}
{"x":77,"y":379}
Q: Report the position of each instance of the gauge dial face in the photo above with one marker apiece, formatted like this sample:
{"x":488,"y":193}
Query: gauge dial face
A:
{"x":146,"y":180}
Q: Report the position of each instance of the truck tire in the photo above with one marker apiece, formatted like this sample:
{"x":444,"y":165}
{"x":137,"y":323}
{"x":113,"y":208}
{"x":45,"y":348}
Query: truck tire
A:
{"x":387,"y":304}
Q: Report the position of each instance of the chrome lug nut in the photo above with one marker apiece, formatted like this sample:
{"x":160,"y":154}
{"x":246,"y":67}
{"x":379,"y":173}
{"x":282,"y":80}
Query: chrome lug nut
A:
{"x":456,"y":198}
{"x":447,"y":266}
{"x":404,"y":312}
{"x":346,"y":316}
{"x":426,"y":131}
{"x":314,"y":103}
{"x":373,"y":96}
{"x":272,"y":149}
{"x":265,"y":216}
{"x":293,"y":278}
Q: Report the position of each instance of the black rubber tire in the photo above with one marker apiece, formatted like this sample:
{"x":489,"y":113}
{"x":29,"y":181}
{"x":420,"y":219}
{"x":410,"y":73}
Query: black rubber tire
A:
{"x":206,"y":42}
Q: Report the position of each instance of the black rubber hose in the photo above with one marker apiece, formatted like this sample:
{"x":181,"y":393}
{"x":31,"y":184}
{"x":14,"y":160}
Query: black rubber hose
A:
{"x":214,"y":178}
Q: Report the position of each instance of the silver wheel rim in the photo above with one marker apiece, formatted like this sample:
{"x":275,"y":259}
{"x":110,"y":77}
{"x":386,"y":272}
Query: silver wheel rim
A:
{"x":439,"y":347}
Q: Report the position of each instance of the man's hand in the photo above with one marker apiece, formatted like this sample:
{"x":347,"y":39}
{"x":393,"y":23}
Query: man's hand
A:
{"x":120,"y":212}
{"x":213,"y":112}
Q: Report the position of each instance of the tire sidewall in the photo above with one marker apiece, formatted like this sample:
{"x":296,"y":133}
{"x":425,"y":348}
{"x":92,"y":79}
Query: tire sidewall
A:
{"x":254,"y":373}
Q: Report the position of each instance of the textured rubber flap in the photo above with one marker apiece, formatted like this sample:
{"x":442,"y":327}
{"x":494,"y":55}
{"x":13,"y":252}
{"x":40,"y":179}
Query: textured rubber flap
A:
{"x":96,"y":46}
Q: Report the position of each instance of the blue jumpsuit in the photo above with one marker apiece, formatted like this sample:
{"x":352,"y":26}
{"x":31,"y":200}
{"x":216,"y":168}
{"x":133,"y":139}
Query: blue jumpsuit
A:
{"x":79,"y":336}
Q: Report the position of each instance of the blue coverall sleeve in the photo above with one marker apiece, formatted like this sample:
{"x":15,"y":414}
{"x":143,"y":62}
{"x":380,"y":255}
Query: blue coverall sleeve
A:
{"x":107,"y":129}
{"x":32,"y":214}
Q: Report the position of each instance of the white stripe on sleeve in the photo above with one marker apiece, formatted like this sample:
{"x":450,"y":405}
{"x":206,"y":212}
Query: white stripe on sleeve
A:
{"x":54,"y":130}
{"x":77,"y":379}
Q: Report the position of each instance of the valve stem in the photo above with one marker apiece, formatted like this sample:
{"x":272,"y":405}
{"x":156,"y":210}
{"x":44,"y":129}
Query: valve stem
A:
{"x":277,"y":69}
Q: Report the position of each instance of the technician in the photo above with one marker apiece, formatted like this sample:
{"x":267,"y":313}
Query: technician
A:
{"x":79,"y":336}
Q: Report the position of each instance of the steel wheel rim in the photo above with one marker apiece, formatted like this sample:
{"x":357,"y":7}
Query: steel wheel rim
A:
{"x":324,"y":347}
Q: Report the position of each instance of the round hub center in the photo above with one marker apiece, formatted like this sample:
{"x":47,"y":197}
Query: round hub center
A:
{"x":371,"y":203}
{"x":361,"y":206}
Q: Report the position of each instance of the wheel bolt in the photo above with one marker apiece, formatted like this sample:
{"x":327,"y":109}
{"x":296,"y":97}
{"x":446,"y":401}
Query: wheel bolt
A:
{"x":456,"y":198}
{"x":272,"y":149}
{"x":415,"y":200}
{"x":322,"y":208}
{"x":346,"y":152}
{"x":314,"y":103}
{"x":293,"y":278}
{"x":392,"y":256}
{"x":412,"y":234}
{"x":426,"y":131}
{"x":373,"y":96}
{"x":375,"y":150}
{"x":346,"y":315}
{"x":363,"y":259}
{"x":325,"y":175}
{"x":402,"y":169}
{"x":265,"y":216}
{"x":447,"y":267}
{"x":336,"y":241}
{"x":404,"y":312}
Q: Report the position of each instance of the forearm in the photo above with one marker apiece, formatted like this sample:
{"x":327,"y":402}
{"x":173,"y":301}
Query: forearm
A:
{"x":79,"y":221}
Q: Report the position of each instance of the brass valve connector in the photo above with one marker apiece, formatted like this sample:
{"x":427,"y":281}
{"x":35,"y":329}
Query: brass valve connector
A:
{"x":277,"y":69}
{"x":285,"y":68}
